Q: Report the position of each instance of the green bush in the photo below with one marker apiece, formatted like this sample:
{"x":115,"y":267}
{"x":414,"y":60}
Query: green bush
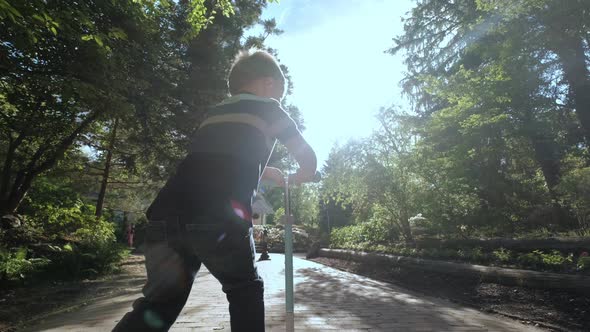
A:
{"x":94,"y":252}
{"x":60,"y":222}
{"x":347,"y":237}
{"x":60,"y":212}
{"x":478,"y":256}
{"x":502,"y":255}
{"x":16,"y":266}
{"x":555,"y":260}
{"x":91,"y":260}
{"x":584,"y":263}
{"x":276,"y":237}
{"x":23,"y":235}
{"x":462,"y":254}
{"x":574,"y":187}
{"x":531,"y":259}
{"x":363,"y":235}
{"x":60,"y":238}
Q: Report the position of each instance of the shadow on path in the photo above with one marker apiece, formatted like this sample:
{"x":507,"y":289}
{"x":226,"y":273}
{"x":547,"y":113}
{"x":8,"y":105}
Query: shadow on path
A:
{"x":330,"y":299}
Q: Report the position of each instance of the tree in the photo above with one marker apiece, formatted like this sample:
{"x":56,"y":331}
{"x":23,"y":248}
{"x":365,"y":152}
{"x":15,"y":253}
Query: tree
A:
{"x":441,"y":35}
{"x":493,"y":94}
{"x":68,"y":70}
{"x":391,"y":171}
{"x":57,"y":78}
{"x":374,"y":177}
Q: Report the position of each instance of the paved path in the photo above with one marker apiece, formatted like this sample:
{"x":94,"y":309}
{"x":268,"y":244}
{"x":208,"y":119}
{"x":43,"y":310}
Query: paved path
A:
{"x":325,"y":299}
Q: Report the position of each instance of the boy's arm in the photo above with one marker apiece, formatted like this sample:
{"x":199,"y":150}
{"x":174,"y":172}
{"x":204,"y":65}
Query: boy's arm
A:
{"x":305,"y":157}
{"x":286,"y":131}
{"x":275,"y":175}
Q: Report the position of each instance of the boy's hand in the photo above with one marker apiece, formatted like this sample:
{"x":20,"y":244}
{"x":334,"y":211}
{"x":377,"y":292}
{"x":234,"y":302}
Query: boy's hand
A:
{"x":297,"y":178}
{"x":305,"y":157}
{"x":274,"y":175}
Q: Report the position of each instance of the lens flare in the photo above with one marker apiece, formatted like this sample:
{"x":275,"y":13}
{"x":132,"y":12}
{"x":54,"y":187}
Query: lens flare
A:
{"x":240,"y":210}
{"x":152,"y":319}
{"x":221,"y":237}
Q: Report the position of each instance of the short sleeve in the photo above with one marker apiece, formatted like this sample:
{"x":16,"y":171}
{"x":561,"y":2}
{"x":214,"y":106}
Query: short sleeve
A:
{"x":282,"y":126}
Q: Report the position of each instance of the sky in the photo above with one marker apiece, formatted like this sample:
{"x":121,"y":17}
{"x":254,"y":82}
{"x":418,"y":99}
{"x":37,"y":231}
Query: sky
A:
{"x":334,"y":50}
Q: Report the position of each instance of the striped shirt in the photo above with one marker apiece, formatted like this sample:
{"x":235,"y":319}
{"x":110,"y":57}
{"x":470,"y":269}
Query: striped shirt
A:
{"x":227,"y":154}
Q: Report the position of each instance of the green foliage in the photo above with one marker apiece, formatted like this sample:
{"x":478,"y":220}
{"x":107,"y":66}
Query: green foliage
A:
{"x":376,"y":177}
{"x":55,"y":213}
{"x":575,"y":189}
{"x":372,"y":233}
{"x":473,"y":255}
{"x":200,"y":16}
{"x":15,"y":265}
{"x":86,"y":260}
{"x":532,"y":260}
{"x":477,"y":255}
{"x":72,"y":71}
{"x":555,"y":260}
{"x":8,"y":11}
{"x":96,"y":232}
{"x":276,"y":237}
{"x":501,"y":138}
{"x":61,"y":213}
{"x":305,"y":205}
{"x":503,"y":255}
{"x":61,"y":221}
{"x":584,"y":263}
{"x":347,"y":237}
{"x":79,"y":56}
{"x":92,"y":252}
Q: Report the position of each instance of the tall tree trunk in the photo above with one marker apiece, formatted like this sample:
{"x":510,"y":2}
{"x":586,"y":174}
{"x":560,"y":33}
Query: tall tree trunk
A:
{"x":548,"y":158}
{"x":405,"y":215}
{"x":107,"y":170}
{"x":25,"y":176}
{"x":7,"y":169}
{"x":549,"y":161}
{"x":406,"y":229}
{"x":569,"y":47}
{"x":577,"y":75}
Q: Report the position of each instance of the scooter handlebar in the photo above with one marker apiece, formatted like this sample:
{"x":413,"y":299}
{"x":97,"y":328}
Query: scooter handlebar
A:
{"x":316,"y":178}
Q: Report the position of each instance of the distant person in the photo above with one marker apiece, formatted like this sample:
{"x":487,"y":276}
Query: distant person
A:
{"x":203,"y":214}
{"x":130,"y":234}
{"x":264,"y":256}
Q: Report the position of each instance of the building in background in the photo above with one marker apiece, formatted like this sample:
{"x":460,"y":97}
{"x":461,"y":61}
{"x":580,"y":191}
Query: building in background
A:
{"x":260,"y":208}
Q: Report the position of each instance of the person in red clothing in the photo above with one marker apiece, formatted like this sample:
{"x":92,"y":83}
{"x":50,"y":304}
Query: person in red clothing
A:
{"x":130,"y":234}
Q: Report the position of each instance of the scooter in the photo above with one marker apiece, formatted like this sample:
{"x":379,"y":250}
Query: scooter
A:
{"x":289,"y":303}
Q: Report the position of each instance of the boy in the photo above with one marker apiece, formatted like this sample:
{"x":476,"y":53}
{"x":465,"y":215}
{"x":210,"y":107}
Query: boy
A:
{"x":203,"y":213}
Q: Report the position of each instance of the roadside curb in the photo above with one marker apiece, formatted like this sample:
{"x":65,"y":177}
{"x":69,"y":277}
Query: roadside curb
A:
{"x":503,"y":276}
{"x":470,"y":304}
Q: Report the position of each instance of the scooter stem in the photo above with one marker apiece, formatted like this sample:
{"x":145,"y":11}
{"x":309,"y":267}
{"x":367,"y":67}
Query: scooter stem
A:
{"x":288,"y":252}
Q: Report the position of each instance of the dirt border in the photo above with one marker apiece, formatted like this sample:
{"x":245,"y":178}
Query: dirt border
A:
{"x":68,"y":296}
{"x":550,"y":309}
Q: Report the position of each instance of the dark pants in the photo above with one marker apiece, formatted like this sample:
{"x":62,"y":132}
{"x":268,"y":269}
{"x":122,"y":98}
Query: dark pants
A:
{"x":174,"y":253}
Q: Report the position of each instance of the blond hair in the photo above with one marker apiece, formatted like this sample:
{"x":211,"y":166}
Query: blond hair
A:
{"x":248,"y":67}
